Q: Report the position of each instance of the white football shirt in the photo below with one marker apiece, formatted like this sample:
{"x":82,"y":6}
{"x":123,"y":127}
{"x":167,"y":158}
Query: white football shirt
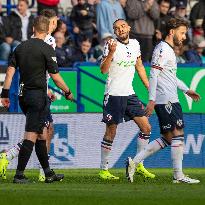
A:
{"x":163,"y":80}
{"x":122,"y":68}
{"x":50,"y":40}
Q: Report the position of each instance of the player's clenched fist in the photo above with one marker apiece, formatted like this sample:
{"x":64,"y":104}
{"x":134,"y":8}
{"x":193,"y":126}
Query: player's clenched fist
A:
{"x":112,"y":44}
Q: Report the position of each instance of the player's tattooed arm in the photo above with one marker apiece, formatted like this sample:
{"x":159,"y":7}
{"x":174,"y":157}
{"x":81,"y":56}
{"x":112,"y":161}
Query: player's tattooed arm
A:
{"x":141,"y":72}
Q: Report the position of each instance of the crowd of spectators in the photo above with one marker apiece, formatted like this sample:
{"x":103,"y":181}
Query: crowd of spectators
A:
{"x":81,"y":35}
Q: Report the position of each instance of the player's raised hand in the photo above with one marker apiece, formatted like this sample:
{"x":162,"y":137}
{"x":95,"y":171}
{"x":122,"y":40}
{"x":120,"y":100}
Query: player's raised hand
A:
{"x":150,"y":108}
{"x":112,"y":45}
{"x":195,"y":96}
{"x":5,"y":102}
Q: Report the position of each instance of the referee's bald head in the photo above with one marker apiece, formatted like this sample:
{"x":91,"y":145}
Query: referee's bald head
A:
{"x":41,"y":24}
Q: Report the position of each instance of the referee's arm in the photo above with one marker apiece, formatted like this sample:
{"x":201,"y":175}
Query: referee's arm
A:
{"x":61,"y":84}
{"x":7,"y":83}
{"x":53,"y":71}
{"x":9,"y":76}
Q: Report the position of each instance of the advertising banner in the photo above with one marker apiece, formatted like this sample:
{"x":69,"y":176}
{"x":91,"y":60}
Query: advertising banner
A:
{"x":61,"y":104}
{"x":77,"y":139}
{"x":193,"y":77}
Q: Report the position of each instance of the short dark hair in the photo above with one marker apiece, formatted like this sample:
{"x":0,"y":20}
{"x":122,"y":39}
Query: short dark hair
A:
{"x":85,"y":38}
{"x":41,"y":24}
{"x":49,"y":13}
{"x":175,"y":23}
{"x":117,"y":21}
{"x":26,"y":1}
{"x":167,"y":1}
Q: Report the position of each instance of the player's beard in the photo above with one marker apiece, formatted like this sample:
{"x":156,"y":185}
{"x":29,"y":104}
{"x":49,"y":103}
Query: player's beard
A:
{"x":124,"y":38}
{"x":176,"y":41}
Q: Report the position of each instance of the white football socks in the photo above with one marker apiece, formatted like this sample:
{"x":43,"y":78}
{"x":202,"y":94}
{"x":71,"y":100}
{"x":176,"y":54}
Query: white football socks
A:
{"x":142,"y":141}
{"x":177,"y":155}
{"x":150,"y":149}
{"x":13,"y":152}
{"x":106,"y":146}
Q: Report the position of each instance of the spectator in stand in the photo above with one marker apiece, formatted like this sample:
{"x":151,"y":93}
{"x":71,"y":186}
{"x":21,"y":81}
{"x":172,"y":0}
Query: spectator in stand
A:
{"x":64,"y":53}
{"x":161,"y":22}
{"x":198,"y":31}
{"x":203,"y":24}
{"x":47,"y":4}
{"x":92,"y":2}
{"x":62,"y":27}
{"x":141,"y":16}
{"x":196,"y":55}
{"x":82,"y":17}
{"x":179,"y":51}
{"x":18,"y":26}
{"x":2,"y":36}
{"x":123,"y":3}
{"x":174,"y":2}
{"x":108,"y":11}
{"x":181,"y":11}
{"x":98,"y":50}
{"x":84,"y":54}
{"x":197,"y":12}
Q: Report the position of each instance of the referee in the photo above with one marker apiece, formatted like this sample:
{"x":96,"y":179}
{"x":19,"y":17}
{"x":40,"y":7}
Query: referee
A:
{"x":34,"y":58}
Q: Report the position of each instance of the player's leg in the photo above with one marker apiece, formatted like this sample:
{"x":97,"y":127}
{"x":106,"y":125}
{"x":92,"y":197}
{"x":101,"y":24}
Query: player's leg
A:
{"x":112,"y":116}
{"x":32,"y":104}
{"x":42,"y":154}
{"x":106,"y":147}
{"x":7,"y":156}
{"x":177,"y":142}
{"x":24,"y":156}
{"x":41,"y":176}
{"x":177,"y":150}
{"x":49,"y":130}
{"x":13,"y":152}
{"x":135,"y":111}
{"x":152,"y":147}
{"x":142,"y":142}
{"x":48,"y":134}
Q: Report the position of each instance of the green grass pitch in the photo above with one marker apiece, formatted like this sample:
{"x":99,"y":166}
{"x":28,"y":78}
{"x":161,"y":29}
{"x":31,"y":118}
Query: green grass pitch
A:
{"x":82,"y":186}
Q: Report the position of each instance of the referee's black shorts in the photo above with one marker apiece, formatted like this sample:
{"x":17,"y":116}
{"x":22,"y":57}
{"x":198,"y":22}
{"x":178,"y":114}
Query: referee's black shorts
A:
{"x":33,"y":104}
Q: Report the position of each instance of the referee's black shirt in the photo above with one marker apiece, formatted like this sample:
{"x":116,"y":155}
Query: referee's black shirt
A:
{"x":33,"y":58}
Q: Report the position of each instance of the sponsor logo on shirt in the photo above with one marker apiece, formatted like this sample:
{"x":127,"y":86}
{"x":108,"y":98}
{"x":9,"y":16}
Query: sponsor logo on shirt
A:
{"x":126,"y":64}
